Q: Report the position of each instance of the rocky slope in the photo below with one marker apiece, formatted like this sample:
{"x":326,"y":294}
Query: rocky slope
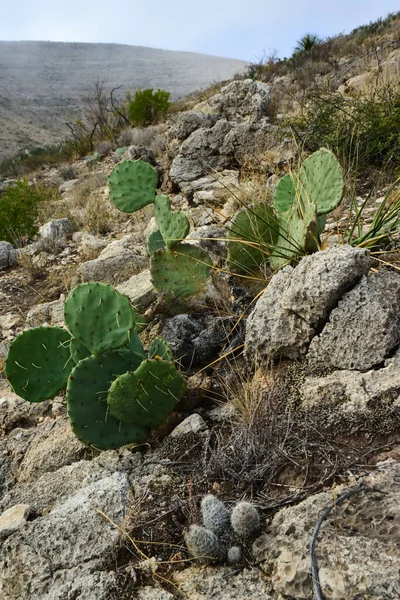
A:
{"x":42,"y":83}
{"x":291,"y":437}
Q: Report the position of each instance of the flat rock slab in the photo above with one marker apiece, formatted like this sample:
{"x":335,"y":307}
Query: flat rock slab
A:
{"x":364,"y":328}
{"x":298,"y":301}
{"x":13,"y":519}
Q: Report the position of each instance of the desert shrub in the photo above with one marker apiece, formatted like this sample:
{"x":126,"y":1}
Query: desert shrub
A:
{"x":368,"y":127}
{"x":124,"y":138}
{"x":19,"y":207}
{"x":31,"y":159}
{"x":147,"y":106}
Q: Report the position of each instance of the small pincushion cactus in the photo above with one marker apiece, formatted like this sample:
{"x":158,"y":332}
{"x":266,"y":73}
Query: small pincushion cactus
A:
{"x":245,"y":519}
{"x":203,"y":543}
{"x":235,"y":556}
{"x":216,"y":516}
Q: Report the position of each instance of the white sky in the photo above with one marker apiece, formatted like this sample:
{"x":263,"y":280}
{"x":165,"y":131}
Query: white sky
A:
{"x":243,"y":29}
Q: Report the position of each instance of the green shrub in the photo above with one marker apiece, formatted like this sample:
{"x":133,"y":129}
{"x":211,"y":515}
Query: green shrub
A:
{"x":147,"y":107}
{"x":367,"y":128}
{"x":19,"y":206}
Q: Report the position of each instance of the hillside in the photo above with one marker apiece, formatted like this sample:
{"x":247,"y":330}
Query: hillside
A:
{"x":42,"y":83}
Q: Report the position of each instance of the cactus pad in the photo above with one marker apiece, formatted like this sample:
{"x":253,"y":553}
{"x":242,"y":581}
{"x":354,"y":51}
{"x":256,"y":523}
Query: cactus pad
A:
{"x":135,"y":344}
{"x":182,"y":272}
{"x":133,"y":185}
{"x":87,"y":406}
{"x":78,"y":351}
{"x":39,"y":362}
{"x":159,"y":348}
{"x":252,"y":234}
{"x":99,"y":316}
{"x":148,"y":395}
{"x":155,"y":242}
{"x":322,"y":181}
{"x":285,"y":194}
{"x":173,"y":224}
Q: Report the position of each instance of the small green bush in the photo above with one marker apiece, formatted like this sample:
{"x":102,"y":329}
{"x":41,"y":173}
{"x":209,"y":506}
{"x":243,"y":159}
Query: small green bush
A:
{"x":368,"y":128}
{"x":148,"y":107}
{"x":19,"y":207}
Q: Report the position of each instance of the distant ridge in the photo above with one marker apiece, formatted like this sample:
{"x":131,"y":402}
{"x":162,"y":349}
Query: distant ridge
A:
{"x":42,"y":83}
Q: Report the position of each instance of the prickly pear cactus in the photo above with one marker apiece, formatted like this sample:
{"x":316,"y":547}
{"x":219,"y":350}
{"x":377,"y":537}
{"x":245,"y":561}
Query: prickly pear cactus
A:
{"x":160,"y":349}
{"x":99,"y":316}
{"x":155,"y":242}
{"x":298,"y":234}
{"x":252,"y":234}
{"x":285,"y":193}
{"x":322,"y":180}
{"x":148,"y":395}
{"x":173,"y":224}
{"x":133,"y":185}
{"x":78,"y":350}
{"x":38,"y":363}
{"x":88,"y":411}
{"x":181,"y":272}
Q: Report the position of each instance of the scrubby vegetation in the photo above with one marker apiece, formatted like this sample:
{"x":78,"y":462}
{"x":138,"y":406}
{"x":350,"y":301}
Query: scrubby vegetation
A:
{"x":19,"y":209}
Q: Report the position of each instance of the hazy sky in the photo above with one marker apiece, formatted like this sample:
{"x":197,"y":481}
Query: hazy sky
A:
{"x":235,"y":28}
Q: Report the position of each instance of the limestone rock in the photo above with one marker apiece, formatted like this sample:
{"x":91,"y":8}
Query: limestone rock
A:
{"x":364,"y":328}
{"x":116,"y":263}
{"x":139,"y":290}
{"x":358,"y":545}
{"x":12,"y":519}
{"x":51,"y":313}
{"x":298,"y":301}
{"x":8,"y":256}
{"x":192,"y":424}
{"x":56,"y":229}
{"x":188,"y":122}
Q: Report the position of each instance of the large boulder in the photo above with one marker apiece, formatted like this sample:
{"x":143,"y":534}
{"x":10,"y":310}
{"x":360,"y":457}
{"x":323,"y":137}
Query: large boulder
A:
{"x":188,"y":122}
{"x":297,"y":302}
{"x":364,"y":328}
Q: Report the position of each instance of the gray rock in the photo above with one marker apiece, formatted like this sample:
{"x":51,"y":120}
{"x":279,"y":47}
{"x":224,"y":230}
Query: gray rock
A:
{"x":14,"y":411}
{"x":116,"y":263}
{"x":192,"y":424}
{"x":364,"y":328}
{"x":55,"y":555}
{"x":153,"y":593}
{"x":142,"y":153}
{"x":210,"y":583}
{"x":241,"y":100}
{"x":6,"y":477}
{"x":67,"y":186}
{"x":298,"y":301}
{"x":199,"y":152}
{"x":139,"y":290}
{"x":89,"y":241}
{"x":188,"y":122}
{"x":51,"y":313}
{"x":8,"y":256}
{"x":56,"y":229}
{"x":358,"y":546}
{"x":13,"y":519}
{"x":369,"y":396}
{"x":211,"y":238}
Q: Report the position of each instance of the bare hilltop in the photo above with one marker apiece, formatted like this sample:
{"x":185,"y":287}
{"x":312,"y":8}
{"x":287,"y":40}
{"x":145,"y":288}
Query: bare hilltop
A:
{"x":42,"y":83}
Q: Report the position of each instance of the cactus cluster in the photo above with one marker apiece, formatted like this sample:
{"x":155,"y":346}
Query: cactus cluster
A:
{"x":115,"y":391}
{"x":178,"y":269}
{"x":218,"y":538}
{"x":294,"y":225}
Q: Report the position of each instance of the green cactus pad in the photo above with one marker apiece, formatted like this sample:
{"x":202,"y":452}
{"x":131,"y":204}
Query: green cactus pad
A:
{"x":173,"y":224}
{"x":78,"y":351}
{"x":285,"y":194}
{"x":322,"y":180}
{"x":135,"y":344}
{"x":155,"y":242}
{"x":148,"y":395}
{"x":259,"y":229}
{"x":133,"y":185}
{"x":184,"y":271}
{"x":99,"y":316}
{"x":39,"y":362}
{"x":299,"y":234}
{"x":87,"y":391}
{"x":159,"y":348}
